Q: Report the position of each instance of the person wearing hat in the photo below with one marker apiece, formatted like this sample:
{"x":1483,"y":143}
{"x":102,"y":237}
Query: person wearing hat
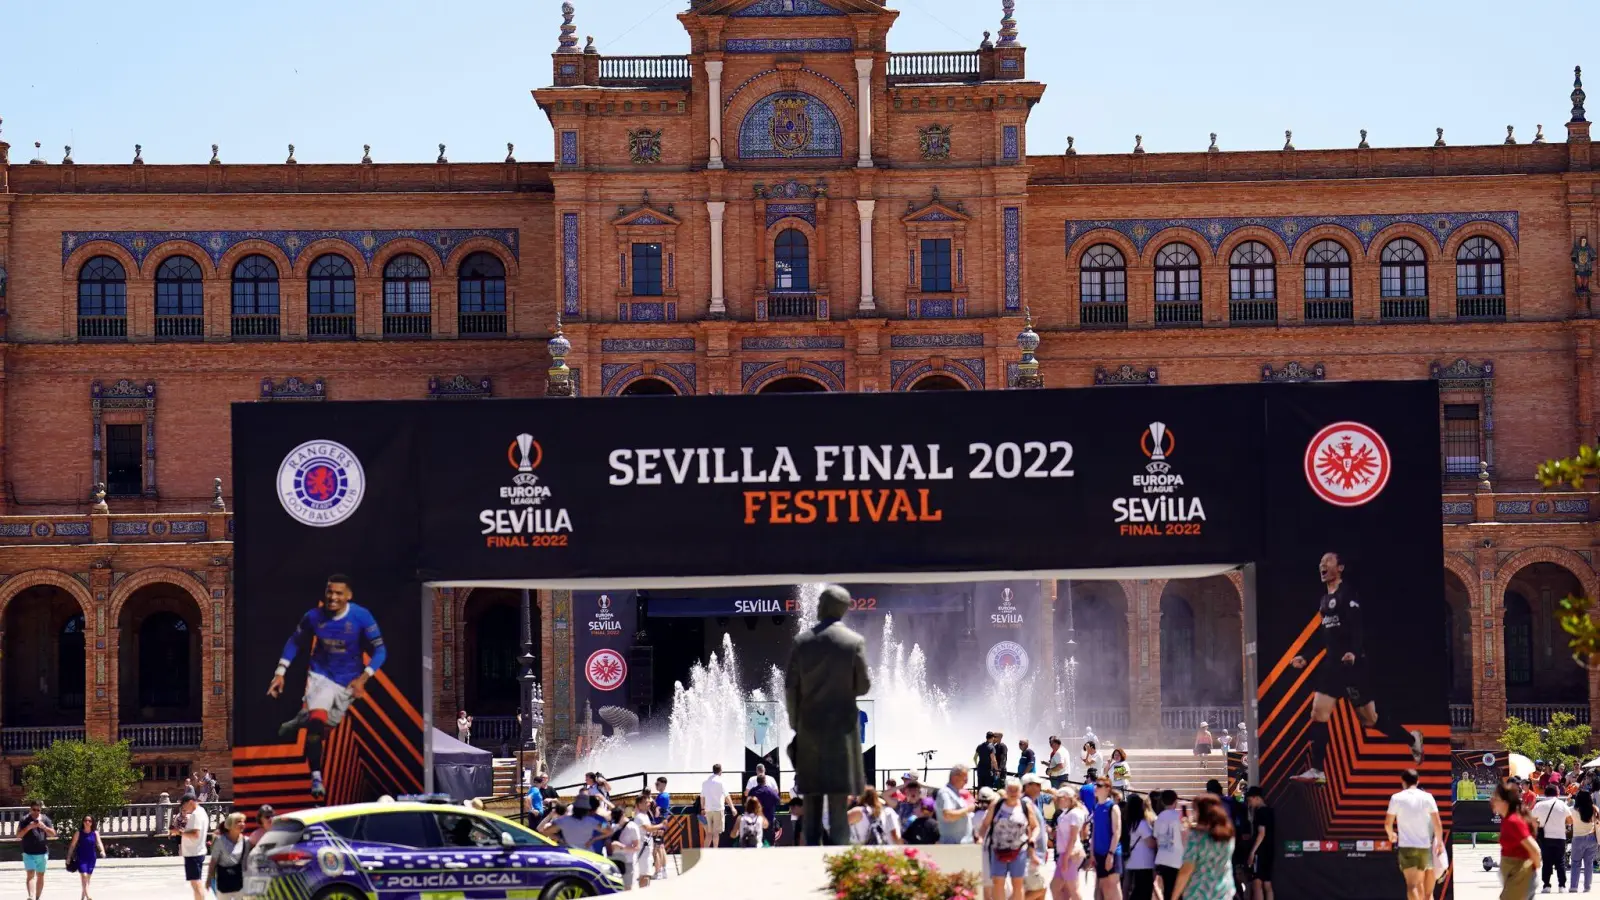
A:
{"x":1033,"y":786}
{"x":922,"y":828}
{"x":264,"y":817}
{"x":1203,"y":740}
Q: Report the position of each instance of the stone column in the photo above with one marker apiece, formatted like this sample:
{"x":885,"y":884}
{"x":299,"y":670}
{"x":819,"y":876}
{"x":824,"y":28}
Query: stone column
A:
{"x":717,"y":208}
{"x":864,"y":110}
{"x":714,"y":117}
{"x":865,"y":208}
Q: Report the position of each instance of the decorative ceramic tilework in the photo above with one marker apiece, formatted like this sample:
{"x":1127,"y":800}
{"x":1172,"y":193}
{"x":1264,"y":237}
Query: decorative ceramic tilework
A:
{"x":158,"y":528}
{"x":617,"y":376}
{"x":459,"y":387}
{"x":1010,"y":148}
{"x":189,"y":526}
{"x":14,"y":529}
{"x":937,"y":308}
{"x":293,"y":388}
{"x":1456,"y":508}
{"x":809,"y":132}
{"x":672,"y":270}
{"x":786,"y":8}
{"x":1291,"y":228}
{"x":1126,"y":375}
{"x":789,"y":45}
{"x":728,"y":103}
{"x":1012,"y":370}
{"x":1292,"y":373}
{"x":71,"y":529}
{"x":961,"y":267}
{"x":569,"y":264}
{"x":1010,"y":64}
{"x":569,"y":69}
{"x":934,"y":215}
{"x":126,"y":529}
{"x":777,"y":212}
{"x":1013,"y":220}
{"x":827,"y":342}
{"x":1541,"y":507}
{"x":648,"y":219}
{"x":651,"y":311}
{"x":903,"y":373}
{"x":755,"y":374}
{"x":216,"y":244}
{"x":123,"y":394}
{"x":569,"y":148}
{"x":920,"y":341}
{"x":1575,"y":505}
{"x":1513,"y":507}
{"x":647,"y":345}
{"x":977,"y":367}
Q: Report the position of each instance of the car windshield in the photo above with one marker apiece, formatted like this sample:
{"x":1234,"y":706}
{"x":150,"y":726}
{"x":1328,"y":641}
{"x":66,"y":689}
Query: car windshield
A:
{"x":523,"y":837}
{"x":282,"y":833}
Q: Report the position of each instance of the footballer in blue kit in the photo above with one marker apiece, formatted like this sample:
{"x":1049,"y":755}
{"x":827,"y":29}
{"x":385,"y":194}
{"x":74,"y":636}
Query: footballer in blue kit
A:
{"x":345,"y":650}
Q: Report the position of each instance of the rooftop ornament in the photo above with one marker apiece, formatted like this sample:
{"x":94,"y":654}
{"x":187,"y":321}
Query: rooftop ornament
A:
{"x":1363,"y":145}
{"x":1439,"y":142}
{"x":568,"y":42}
{"x":1577,"y":94}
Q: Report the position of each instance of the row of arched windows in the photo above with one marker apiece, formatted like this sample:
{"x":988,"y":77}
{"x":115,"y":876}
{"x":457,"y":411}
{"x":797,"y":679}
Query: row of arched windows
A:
{"x":330,"y":297}
{"x":1252,"y":282}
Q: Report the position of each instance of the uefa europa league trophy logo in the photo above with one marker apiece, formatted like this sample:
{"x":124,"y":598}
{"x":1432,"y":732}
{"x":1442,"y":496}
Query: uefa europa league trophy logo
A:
{"x":1158,"y":436}
{"x":1160,"y":441}
{"x":525,"y":460}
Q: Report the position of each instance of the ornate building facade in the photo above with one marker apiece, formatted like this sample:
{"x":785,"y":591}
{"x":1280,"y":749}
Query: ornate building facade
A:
{"x":789,"y":206}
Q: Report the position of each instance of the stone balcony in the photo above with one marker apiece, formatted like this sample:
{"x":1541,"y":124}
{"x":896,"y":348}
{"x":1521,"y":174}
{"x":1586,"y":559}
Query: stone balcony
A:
{"x":90,"y":528}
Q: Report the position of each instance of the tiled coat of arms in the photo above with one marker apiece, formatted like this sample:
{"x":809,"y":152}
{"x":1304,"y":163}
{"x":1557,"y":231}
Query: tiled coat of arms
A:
{"x":644,"y":146}
{"x":791,"y":126}
{"x":935,"y":141}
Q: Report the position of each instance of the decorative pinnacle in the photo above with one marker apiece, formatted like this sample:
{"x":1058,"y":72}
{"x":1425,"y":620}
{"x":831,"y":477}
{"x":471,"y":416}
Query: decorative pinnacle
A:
{"x":1439,"y":142}
{"x":366,"y":153}
{"x":441,"y":158}
{"x":1138,"y":143}
{"x":560,"y":376}
{"x":568,"y":42}
{"x":215,"y":160}
{"x":509,"y":149}
{"x":1511,"y":136}
{"x":291,"y":155}
{"x":138,"y":154}
{"x":1071,"y":151}
{"x":589,"y":46}
{"x":1028,"y":342}
{"x":1008,"y":23}
{"x":1288,"y":140}
{"x":38,"y":155}
{"x":1363,"y":145}
{"x":66,"y":158}
{"x":987,"y":44}
{"x":1213,"y":148}
{"x":1538,"y":135}
{"x":1577,"y":94}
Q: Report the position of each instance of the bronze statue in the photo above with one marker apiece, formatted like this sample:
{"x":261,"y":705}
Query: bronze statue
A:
{"x":827,"y":672}
{"x":1582,"y":264}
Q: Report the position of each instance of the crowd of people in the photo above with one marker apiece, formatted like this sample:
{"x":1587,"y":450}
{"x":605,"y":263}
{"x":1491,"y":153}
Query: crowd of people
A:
{"x":1543,"y":817}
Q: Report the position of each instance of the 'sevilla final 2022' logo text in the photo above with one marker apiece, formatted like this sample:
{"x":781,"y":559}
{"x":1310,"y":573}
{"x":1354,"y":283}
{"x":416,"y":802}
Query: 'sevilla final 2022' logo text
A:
{"x":320,"y":483}
{"x":1160,"y":508}
{"x":525,"y":520}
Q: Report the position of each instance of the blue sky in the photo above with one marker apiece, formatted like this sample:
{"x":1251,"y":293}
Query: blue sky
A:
{"x":404,"y":75}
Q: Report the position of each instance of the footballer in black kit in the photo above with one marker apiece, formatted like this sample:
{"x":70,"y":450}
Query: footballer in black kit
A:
{"x":1345,"y":671}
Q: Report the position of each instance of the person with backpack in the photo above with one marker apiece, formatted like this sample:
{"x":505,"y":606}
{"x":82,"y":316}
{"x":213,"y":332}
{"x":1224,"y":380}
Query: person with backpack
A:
{"x":873,"y":823}
{"x":1010,"y":833}
{"x":752,"y":825}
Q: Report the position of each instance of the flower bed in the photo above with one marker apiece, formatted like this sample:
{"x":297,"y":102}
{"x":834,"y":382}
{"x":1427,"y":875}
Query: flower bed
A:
{"x":870,"y":874}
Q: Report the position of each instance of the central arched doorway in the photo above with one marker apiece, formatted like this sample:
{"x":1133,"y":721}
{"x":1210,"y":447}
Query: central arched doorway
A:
{"x":1202,"y":657}
{"x":46,"y":654}
{"x":1541,"y":677}
{"x":792,"y":384}
{"x":938,"y":382}
{"x":491,"y":662}
{"x":158,"y":661}
{"x":1093,"y":615}
{"x":648,"y":387}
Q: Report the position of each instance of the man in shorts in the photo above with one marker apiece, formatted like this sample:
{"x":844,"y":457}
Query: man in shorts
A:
{"x":1263,"y":843}
{"x":346,"y":649}
{"x":191,"y":826}
{"x":1413,"y":826}
{"x":36,"y":832}
{"x":1345,"y":672}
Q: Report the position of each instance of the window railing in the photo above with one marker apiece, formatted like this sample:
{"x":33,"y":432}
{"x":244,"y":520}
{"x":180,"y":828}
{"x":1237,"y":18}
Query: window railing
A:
{"x":255,"y":326}
{"x":1253,"y":312}
{"x":1103,"y":718}
{"x":1103,"y":314}
{"x":180,"y":328}
{"x":407,"y":324}
{"x":482,"y":323}
{"x":643,"y":71}
{"x":1407,"y":309}
{"x":1188,"y":718}
{"x":1481,"y":307}
{"x":330,"y":326}
{"x":959,"y":65}
{"x":791,"y":305}
{"x":489,"y":732}
{"x":1330,"y":310}
{"x":1461,"y":716}
{"x":102,"y":328}
{"x":1539,"y":713}
{"x":1178,"y":312}
{"x":173,"y":735}
{"x":32,"y":740}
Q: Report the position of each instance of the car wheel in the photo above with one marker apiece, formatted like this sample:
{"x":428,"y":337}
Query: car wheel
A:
{"x":339,"y":892}
{"x":567,"y":890}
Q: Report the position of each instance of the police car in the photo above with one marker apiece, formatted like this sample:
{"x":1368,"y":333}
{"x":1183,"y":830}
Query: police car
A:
{"x":413,"y":850}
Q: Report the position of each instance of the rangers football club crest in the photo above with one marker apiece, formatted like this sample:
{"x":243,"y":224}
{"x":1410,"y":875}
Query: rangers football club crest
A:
{"x":791,"y":126}
{"x":1008,"y":662}
{"x":606,"y":670}
{"x":1347,"y":464}
{"x":320,"y":483}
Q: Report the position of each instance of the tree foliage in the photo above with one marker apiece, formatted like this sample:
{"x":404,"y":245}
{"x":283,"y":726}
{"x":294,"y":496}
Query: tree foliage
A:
{"x":1574,"y":612}
{"x":1561,"y":743}
{"x":78,"y":778}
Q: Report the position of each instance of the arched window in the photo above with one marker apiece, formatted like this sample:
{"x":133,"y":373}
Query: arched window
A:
{"x":1251,"y":275}
{"x":1327,"y":271}
{"x":1177,"y":285}
{"x":1519,"y":640}
{"x":792,"y":257}
{"x":938,"y":383}
{"x":70,"y":658}
{"x":180,"y":296}
{"x":164,"y":661}
{"x":482,"y":291}
{"x":1479,"y":269}
{"x":331,"y":297}
{"x":649,"y":387}
{"x":497,"y":651}
{"x":102,"y":299}
{"x":1103,"y":287}
{"x":407,"y":296}
{"x":255,"y":297}
{"x":1405,"y":269}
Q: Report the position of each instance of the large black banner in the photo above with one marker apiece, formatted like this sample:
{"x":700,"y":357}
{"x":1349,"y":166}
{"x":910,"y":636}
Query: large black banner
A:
{"x":1330,"y":489}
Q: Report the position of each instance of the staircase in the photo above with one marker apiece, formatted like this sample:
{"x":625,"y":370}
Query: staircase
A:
{"x":1179,"y":770}
{"x":505,"y":776}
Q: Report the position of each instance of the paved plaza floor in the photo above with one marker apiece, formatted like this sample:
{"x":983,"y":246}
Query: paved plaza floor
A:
{"x":759,"y":871}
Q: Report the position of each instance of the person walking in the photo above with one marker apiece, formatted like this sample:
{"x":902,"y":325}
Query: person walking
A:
{"x":714,"y":802}
{"x":191,"y":828}
{"x":36,"y":833}
{"x":955,"y":810}
{"x":464,"y":727}
{"x":1009,"y":833}
{"x":1207,"y":856}
{"x":984,"y":762}
{"x":1106,"y":829}
{"x":85,"y":850}
{"x":1055,"y":767}
{"x":1584,"y":844}
{"x":1413,"y":826}
{"x":1263,"y":843}
{"x":1552,"y":814}
{"x":1071,"y":817}
{"x":1519,"y":852}
{"x":764,"y":793}
{"x":1121,"y":773}
{"x":752,"y":825}
{"x":1203,"y":740}
{"x":264,"y":817}
{"x":1027,"y":763}
{"x":1171,"y":835}
{"x":227,"y":858}
{"x":1141,"y":850}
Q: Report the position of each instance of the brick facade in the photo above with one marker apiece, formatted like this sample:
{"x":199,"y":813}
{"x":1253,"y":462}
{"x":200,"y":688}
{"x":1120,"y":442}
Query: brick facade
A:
{"x":737,"y":140}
